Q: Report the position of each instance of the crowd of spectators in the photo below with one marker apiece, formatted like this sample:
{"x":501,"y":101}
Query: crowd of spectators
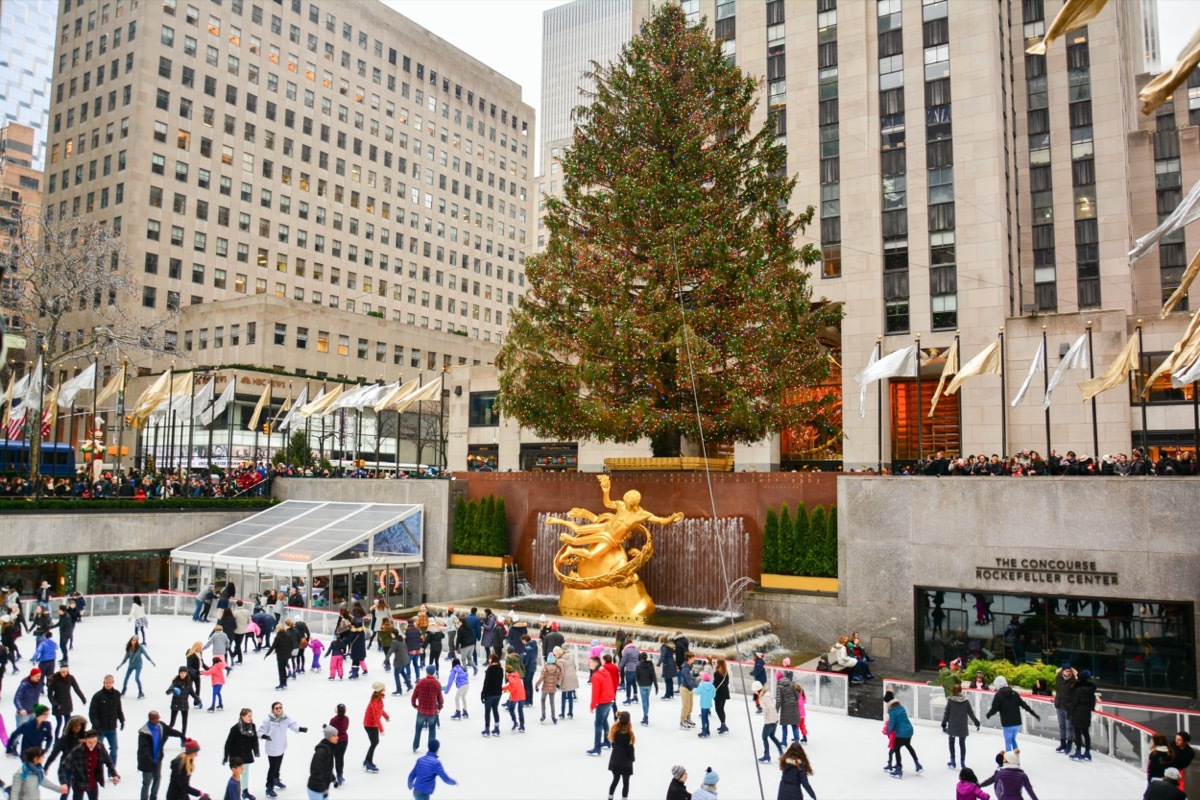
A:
{"x":1175,"y":462}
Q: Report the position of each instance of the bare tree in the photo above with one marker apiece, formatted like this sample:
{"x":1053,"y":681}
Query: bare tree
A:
{"x":69,"y":283}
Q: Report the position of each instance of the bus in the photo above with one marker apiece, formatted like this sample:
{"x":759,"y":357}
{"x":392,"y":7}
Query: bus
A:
{"x":58,"y":458}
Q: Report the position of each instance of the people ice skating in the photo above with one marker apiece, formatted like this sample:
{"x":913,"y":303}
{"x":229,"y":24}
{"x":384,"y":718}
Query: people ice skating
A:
{"x":25,"y":699}
{"x":85,"y":766}
{"x":320,"y":768}
{"x":515,"y":705}
{"x":216,"y":674}
{"x":1064,"y":683}
{"x":460,"y":683}
{"x":899,"y":724}
{"x":422,"y":779}
{"x":195,"y":663}
{"x":139,"y":618}
{"x":570,"y":682}
{"x":770,"y":720}
{"x":282,"y":648}
{"x":30,"y":779}
{"x":968,"y":786}
{"x":58,"y":692}
{"x":106,"y":714}
{"x":34,"y":731}
{"x":604,"y":693}
{"x":1010,"y":780}
{"x":720,"y":680}
{"x":274,"y":731}
{"x":241,"y":746}
{"x":787,"y":705}
{"x":233,"y":789}
{"x":529,"y":660}
{"x":796,"y":769}
{"x":152,"y":740}
{"x":705,"y":692}
{"x":954,"y":724}
{"x":427,"y":700}
{"x":1008,"y":704}
{"x":666,"y":662}
{"x":547,"y":683}
{"x":135,"y":653}
{"x":373,"y":723}
{"x":687,"y":690}
{"x":179,"y":784}
{"x":677,"y":788}
{"x":802,"y":710}
{"x":758,"y":673}
{"x":341,"y":724}
{"x":181,"y":691}
{"x":493,"y":688}
{"x":708,"y":789}
{"x":647,"y":682}
{"x":71,"y":737}
{"x":627,"y":665}
{"x":620,"y":760}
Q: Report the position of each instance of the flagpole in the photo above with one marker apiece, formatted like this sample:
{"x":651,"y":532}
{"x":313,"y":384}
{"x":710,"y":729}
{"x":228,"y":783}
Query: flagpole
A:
{"x":400,"y":380}
{"x":1145,"y":389}
{"x":442,"y":419}
{"x":378,"y":420}
{"x":120,"y":405}
{"x":209,"y":426}
{"x":324,"y":386}
{"x":1004,"y":400}
{"x":232,"y":408}
{"x":420,"y":381}
{"x":307,"y":422}
{"x":1195,"y":423}
{"x":958,"y":408}
{"x":1045,"y":386}
{"x":170,"y":418}
{"x":191,"y":425}
{"x":1092,"y":374}
{"x":879,"y":409}
{"x":920,"y":414}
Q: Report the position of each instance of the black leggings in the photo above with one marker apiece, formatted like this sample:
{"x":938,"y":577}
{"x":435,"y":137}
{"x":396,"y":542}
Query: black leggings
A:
{"x":904,"y":741}
{"x":720,"y":705}
{"x":962,"y":748}
{"x":373,"y":738}
{"x":623,"y":779}
{"x":274,"y":762}
{"x":283,"y":672}
{"x":339,"y":757}
{"x":180,"y":712}
{"x":1083,"y":737}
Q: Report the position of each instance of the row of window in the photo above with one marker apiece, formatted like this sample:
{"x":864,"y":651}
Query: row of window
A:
{"x":829,"y":131}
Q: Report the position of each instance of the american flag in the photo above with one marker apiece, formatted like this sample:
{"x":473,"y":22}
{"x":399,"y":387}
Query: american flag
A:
{"x":16,"y":425}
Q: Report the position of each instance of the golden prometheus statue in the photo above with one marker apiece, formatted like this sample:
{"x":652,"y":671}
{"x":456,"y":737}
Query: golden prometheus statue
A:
{"x":605,"y":582}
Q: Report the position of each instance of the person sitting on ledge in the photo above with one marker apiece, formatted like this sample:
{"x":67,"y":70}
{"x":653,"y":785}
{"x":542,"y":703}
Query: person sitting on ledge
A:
{"x":841,"y":661}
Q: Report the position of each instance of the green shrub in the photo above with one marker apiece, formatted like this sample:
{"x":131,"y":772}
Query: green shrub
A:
{"x":770,"y":556}
{"x":818,"y":534}
{"x":804,"y":544}
{"x":499,"y":528}
{"x":1023,"y":675}
{"x":481,"y":527}
{"x":171,"y":504}
{"x":802,"y":560}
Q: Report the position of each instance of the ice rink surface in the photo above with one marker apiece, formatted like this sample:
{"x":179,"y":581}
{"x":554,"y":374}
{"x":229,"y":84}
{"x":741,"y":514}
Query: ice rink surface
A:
{"x":547,"y":761}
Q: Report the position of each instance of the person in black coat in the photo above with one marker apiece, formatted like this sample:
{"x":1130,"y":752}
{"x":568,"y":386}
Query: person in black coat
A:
{"x":75,"y":772}
{"x":282,"y":648}
{"x":58,"y":692}
{"x":242,"y":742}
{"x":179,"y":785}
{"x":320,"y":769}
{"x":1082,"y":702}
{"x":106,"y":714}
{"x":620,"y":761}
{"x":677,"y":789}
{"x":796,"y":769}
{"x":681,"y":651}
{"x":180,"y":690}
{"x":150,"y":755}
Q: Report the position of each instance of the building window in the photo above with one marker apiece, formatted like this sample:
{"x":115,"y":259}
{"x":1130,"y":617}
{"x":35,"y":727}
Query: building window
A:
{"x":482,"y":412}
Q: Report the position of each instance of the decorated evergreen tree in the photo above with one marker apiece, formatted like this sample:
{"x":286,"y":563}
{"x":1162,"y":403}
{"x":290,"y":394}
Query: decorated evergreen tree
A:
{"x":671,"y":294}
{"x":770,"y":557}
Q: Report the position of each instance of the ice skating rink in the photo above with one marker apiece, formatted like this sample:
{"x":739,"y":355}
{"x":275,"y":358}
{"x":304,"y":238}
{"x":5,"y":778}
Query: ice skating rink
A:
{"x":547,"y":761}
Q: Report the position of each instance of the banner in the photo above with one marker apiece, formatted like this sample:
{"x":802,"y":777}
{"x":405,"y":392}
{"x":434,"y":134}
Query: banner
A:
{"x":1037,"y":366}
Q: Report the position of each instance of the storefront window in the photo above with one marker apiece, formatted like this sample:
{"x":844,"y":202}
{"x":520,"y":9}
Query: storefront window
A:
{"x":27,"y":574}
{"x":550,"y":457}
{"x":1126,"y":643}
{"x":128,"y":573}
{"x":483,"y":413}
{"x":482,"y":457}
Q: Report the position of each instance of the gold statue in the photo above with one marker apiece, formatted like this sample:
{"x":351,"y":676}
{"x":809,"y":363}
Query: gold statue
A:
{"x":605,"y":582}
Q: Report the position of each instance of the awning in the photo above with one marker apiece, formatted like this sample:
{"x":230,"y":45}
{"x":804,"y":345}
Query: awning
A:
{"x":295,"y":535}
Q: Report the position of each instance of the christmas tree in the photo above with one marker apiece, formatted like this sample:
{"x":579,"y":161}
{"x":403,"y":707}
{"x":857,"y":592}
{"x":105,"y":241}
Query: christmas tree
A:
{"x":672,"y":294}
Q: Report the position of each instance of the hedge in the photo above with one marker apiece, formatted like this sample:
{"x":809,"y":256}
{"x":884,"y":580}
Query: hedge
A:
{"x":1023,"y":675}
{"x":481,"y":527}
{"x":801,"y":544}
{"x":102,"y":506}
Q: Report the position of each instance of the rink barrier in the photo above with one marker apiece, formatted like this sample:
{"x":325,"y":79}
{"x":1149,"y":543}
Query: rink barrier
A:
{"x":1112,"y":734}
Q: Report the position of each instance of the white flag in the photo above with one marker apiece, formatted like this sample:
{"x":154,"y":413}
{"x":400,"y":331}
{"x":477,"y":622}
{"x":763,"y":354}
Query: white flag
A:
{"x":1035,"y":367}
{"x":1185,"y":376}
{"x":203,"y":399}
{"x":32,"y":397}
{"x":216,"y":409}
{"x":430,"y":391}
{"x":82,"y":382}
{"x":1076,"y":358}
{"x":902,"y":363}
{"x":1184,"y":214}
{"x":295,"y":410}
{"x":862,"y":392}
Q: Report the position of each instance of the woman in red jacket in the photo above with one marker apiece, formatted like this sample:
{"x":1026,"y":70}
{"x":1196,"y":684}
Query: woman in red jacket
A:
{"x":373,"y":722}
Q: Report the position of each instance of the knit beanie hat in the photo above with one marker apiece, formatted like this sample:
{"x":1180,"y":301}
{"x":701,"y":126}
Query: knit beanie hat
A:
{"x":710,"y":777}
{"x":329,"y":730}
{"x":191,"y":746}
{"x":551,"y":659}
{"x":677,"y":772}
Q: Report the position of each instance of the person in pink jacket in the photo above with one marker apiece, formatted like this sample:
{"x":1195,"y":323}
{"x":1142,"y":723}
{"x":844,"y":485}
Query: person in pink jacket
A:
{"x":217,"y":674}
{"x":801,"y":701}
{"x":968,"y":786}
{"x":316,"y":647}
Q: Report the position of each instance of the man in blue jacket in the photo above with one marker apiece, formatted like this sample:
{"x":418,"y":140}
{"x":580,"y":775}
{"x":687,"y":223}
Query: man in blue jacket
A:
{"x":45,"y":655}
{"x":423,"y":778}
{"x":529,"y":657}
{"x":687,"y":685}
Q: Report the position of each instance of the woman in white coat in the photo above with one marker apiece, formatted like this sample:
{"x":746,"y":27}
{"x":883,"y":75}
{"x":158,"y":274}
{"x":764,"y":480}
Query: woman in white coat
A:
{"x":273,"y":731}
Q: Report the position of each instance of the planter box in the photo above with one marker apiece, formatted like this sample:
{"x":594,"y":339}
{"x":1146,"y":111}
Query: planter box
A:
{"x":797,"y":583}
{"x":671,"y":464}
{"x":480,"y":562}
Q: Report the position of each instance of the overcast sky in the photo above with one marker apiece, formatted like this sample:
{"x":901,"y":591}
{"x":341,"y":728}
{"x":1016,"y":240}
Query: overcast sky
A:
{"x":507,"y":34}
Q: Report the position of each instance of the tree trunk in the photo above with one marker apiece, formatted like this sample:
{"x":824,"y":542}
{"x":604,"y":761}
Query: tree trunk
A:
{"x":666,"y":444}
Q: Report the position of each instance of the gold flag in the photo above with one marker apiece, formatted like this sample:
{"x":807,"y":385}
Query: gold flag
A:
{"x":1156,"y":92}
{"x":986,"y":363}
{"x":1185,"y":283}
{"x":323,"y":402}
{"x":1116,"y":374}
{"x":51,"y":415}
{"x":263,"y":402}
{"x":397,"y":395}
{"x":8,"y":400}
{"x":114,"y":385}
{"x":1074,"y":14}
{"x":429,"y":391}
{"x":1186,"y":351}
{"x":283,"y":409}
{"x":151,"y":398}
{"x":948,"y":370}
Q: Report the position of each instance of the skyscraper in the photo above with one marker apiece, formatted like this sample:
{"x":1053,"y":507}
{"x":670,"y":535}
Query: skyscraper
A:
{"x":26,"y":66}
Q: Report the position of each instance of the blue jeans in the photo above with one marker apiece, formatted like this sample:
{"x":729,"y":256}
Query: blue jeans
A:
{"x":704,"y":714}
{"x":565,"y":697}
{"x":601,"y":725}
{"x":136,"y":672}
{"x":315,"y":795}
{"x":423,"y":722}
{"x":516,"y":708}
{"x":420,"y":795}
{"x":630,"y":685}
{"x":1010,"y":737}
{"x":110,"y":739}
{"x":1066,"y":732}
{"x":398,"y":672}
{"x":645,"y":692}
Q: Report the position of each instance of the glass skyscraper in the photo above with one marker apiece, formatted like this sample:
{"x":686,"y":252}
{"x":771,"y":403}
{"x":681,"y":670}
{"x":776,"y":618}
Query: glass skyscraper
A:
{"x":27,"y":66}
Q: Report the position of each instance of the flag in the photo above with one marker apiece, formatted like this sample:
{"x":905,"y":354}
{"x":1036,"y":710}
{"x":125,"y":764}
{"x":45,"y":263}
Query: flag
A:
{"x":1074,"y":14}
{"x":263,"y":402}
{"x":290,"y":419}
{"x":15,"y":424}
{"x":115,"y":385}
{"x":323,"y":402}
{"x":82,"y":382}
{"x":51,"y":414}
{"x":987,"y":362}
{"x":1187,"y":212}
{"x":216,"y":409}
{"x":8,"y":396}
{"x":902,"y":363}
{"x":283,"y":409}
{"x":430,"y":391}
{"x":1076,"y":358}
{"x":948,"y":370}
{"x":1155,"y":93}
{"x":862,"y":391}
{"x":390,"y":399}
{"x":1186,"y":351}
{"x":1185,"y":283}
{"x":32,"y":396}
{"x":151,"y":398}
{"x":1038,"y":365}
{"x":180,"y":400}
{"x":349,"y":399}
{"x":1116,"y":374}
{"x":199,"y":404}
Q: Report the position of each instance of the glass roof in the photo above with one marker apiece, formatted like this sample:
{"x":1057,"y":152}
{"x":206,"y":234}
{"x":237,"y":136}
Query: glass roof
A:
{"x":301,"y":533}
